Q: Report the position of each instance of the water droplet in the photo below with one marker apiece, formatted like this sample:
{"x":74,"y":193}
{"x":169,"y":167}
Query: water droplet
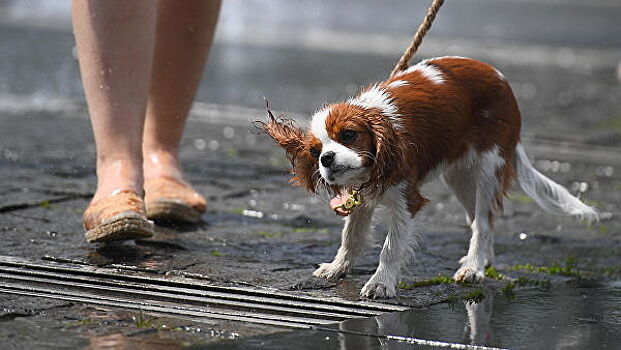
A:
{"x":253,"y":213}
{"x":523,"y":235}
{"x":228,"y":132}
{"x":252,"y":203}
{"x":200,"y":144}
{"x":575,"y":185}
{"x":583,"y":187}
{"x":555,"y":166}
{"x":214,"y":145}
{"x":297,"y":207}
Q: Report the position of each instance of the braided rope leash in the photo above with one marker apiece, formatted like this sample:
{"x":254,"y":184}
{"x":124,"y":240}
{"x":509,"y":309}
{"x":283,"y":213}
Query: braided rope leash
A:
{"x":418,"y":37}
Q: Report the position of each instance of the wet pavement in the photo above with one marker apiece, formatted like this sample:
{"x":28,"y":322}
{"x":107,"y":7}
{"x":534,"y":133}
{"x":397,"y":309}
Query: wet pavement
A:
{"x":561,"y":286}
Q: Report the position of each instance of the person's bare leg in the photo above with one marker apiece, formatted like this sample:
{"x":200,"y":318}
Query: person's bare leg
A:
{"x":115,"y":41}
{"x":184,"y":34}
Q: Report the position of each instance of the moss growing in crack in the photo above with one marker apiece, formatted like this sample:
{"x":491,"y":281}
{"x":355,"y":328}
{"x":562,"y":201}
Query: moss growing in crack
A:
{"x":611,"y":271}
{"x":45,"y":204}
{"x":141,"y":321}
{"x":524,"y":281}
{"x":440,"y":279}
{"x":474,"y":296}
{"x":323,"y":242}
{"x":216,"y":253}
{"x":452,"y":298}
{"x":492,"y":273}
{"x":567,"y":269}
{"x":310,"y":229}
{"x":507,"y":290}
{"x":268,"y":234}
{"x":612,"y":123}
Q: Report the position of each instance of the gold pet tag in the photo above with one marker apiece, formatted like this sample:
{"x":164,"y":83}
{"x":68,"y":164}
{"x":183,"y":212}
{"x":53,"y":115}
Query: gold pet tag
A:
{"x":355,"y":199}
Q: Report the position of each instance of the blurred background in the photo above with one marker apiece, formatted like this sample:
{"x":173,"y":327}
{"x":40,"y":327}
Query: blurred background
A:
{"x":560,"y":56}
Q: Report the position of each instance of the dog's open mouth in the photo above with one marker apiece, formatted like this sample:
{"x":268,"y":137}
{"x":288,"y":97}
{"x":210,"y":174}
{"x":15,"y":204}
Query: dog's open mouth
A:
{"x":338,"y":171}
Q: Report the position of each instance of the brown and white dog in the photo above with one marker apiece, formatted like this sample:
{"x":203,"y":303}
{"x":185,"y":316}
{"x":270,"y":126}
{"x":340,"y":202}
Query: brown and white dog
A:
{"x":449,"y":116}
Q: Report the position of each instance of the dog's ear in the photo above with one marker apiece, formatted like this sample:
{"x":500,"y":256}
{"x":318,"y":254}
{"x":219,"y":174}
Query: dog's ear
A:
{"x":297,"y":144}
{"x":389,"y":156}
{"x":285,"y":133}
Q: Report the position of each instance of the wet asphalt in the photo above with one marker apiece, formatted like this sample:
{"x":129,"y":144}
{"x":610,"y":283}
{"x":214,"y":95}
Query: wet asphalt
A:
{"x":260,"y":232}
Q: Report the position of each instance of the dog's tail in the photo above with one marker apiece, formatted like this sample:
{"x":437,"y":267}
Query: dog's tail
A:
{"x":548,"y":194}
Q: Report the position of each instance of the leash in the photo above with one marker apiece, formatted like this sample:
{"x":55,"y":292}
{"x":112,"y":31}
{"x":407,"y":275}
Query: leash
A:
{"x":422,"y":30}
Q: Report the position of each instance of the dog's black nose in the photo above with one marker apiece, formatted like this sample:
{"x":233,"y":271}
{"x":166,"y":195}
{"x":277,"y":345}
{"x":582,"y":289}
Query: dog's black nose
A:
{"x":327,"y":159}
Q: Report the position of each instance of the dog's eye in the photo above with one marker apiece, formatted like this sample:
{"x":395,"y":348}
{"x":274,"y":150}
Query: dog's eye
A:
{"x":348,"y":136}
{"x":314,"y":152}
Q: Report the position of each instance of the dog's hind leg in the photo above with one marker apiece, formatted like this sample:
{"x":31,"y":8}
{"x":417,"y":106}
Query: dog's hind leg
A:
{"x":354,"y":238}
{"x":488,"y":172}
{"x":460,"y":179}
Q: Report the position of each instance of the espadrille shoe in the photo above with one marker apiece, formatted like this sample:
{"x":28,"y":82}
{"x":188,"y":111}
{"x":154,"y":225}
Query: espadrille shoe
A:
{"x":169,"y":199}
{"x":117,"y":217}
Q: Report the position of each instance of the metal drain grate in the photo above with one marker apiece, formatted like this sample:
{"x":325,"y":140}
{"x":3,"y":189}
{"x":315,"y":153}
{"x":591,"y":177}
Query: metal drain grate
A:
{"x":192,"y":299}
{"x":175,"y":295}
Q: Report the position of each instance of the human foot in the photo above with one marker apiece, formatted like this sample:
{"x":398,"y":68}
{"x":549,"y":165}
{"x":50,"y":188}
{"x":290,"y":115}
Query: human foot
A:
{"x":170,"y":199}
{"x":118,"y":216}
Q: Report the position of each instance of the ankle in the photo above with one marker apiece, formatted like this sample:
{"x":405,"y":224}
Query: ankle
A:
{"x":118,"y":175}
{"x":161,"y":164}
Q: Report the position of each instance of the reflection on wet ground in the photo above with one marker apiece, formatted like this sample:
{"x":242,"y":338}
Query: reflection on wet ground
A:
{"x":565,"y":318}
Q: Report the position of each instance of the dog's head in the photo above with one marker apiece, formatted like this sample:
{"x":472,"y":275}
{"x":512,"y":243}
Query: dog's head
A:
{"x":345,"y":146}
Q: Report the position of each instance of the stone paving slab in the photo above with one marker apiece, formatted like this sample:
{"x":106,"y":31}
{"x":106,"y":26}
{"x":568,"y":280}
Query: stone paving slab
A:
{"x":260,"y":232}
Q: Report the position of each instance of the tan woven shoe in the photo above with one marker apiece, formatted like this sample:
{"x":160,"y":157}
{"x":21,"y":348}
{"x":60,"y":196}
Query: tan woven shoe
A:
{"x":119,"y":216}
{"x":169,"y":199}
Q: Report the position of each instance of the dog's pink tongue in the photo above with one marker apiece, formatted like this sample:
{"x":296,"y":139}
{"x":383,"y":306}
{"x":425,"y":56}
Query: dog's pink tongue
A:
{"x":335,"y":202}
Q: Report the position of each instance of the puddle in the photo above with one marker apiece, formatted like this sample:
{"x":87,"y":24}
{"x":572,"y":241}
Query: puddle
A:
{"x":563,"y":318}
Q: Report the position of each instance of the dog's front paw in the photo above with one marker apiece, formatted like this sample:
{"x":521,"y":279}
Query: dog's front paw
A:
{"x":378,"y":290}
{"x":331,"y":271}
{"x":469,"y":274}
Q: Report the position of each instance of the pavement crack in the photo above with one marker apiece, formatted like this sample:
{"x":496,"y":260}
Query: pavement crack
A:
{"x":22,"y":206}
{"x":11,"y":315}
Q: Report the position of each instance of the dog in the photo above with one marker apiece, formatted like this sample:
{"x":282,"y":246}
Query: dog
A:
{"x":452,"y":117}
